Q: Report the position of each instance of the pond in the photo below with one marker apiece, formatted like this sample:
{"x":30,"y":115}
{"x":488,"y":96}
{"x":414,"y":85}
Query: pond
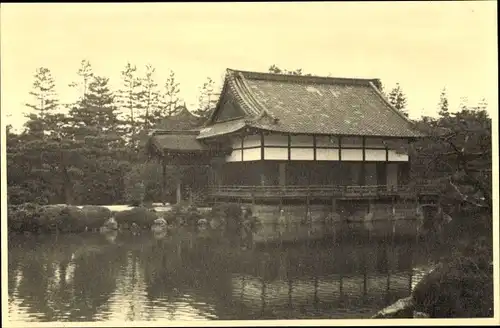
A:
{"x":205,"y":275}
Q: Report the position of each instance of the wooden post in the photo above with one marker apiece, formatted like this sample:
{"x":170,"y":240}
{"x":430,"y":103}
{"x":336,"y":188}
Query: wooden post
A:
{"x":179,"y":192}
{"x":410,"y":282}
{"x":393,"y":218}
{"x":365,"y":278}
{"x":316,"y":285}
{"x":164,"y":181}
{"x":263,"y":295}
{"x":307,"y":208}
{"x":341,"y":285}
{"x":388,"y":289}
{"x":333,"y":211}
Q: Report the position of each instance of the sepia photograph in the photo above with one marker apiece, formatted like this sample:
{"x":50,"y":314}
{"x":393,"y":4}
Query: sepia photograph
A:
{"x":247,"y":163}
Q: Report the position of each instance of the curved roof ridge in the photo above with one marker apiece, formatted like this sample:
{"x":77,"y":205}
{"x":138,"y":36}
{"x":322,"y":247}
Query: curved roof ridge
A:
{"x":236,"y":88}
{"x":250,"y":94}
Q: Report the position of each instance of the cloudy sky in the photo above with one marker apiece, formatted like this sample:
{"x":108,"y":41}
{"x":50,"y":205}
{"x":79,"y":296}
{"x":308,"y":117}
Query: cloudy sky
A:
{"x":424,"y":46}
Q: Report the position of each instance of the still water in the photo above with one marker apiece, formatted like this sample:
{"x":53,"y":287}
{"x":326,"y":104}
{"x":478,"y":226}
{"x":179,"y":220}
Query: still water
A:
{"x":192,"y":275}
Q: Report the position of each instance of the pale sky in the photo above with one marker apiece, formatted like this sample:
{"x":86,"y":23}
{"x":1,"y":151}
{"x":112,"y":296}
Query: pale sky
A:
{"x":424,"y":46}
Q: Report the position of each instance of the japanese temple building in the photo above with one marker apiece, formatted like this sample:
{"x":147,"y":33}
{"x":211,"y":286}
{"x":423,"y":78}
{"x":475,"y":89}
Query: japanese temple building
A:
{"x":276,"y":138}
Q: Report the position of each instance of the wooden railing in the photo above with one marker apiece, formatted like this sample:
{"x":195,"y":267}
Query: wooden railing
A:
{"x":321,"y":190}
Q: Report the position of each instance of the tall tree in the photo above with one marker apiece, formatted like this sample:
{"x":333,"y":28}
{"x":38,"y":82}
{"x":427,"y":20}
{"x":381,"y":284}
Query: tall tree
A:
{"x":97,"y":109}
{"x":98,"y":141}
{"x":458,"y":155}
{"x":207,"y":99}
{"x":149,"y":98}
{"x":45,"y":102}
{"x":398,"y":99}
{"x":170,"y":98}
{"x":129,"y":95}
{"x":443,"y":104}
{"x":86,"y":75}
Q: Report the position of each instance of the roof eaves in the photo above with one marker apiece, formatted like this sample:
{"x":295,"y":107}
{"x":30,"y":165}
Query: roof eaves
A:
{"x":206,"y":135}
{"x":173,"y":132}
{"x":386,"y":102}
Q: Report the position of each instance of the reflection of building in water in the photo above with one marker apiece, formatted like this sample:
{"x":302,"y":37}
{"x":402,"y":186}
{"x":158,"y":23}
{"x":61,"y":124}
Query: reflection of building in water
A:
{"x":295,"y":232}
{"x":317,"y":292}
{"x":346,"y":278}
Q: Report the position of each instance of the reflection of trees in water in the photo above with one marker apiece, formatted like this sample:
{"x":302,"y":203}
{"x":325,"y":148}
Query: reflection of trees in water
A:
{"x":93,"y":293}
{"x":66,"y":279}
{"x":178,"y":267}
{"x":129,"y":300}
{"x":85,"y":280}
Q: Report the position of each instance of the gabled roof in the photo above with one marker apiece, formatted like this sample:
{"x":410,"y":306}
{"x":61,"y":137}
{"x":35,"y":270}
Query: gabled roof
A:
{"x":309,"y":105}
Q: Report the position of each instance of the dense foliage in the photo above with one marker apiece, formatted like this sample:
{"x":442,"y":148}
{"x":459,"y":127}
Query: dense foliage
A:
{"x":93,"y":152}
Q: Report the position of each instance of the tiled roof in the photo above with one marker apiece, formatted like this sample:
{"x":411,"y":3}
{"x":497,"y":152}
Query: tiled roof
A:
{"x":313,"y":105}
{"x":183,"y":120}
{"x":221,"y":128}
{"x":176,"y":140}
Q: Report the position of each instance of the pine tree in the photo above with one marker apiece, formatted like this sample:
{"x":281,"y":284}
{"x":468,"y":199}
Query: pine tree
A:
{"x":96,"y":113}
{"x":44,"y":104}
{"x":129,"y":96}
{"x":86,"y":74}
{"x":443,"y":104}
{"x":207,"y":99}
{"x":398,"y":99}
{"x":170,"y":99}
{"x":149,"y":98}
{"x":99,"y":144}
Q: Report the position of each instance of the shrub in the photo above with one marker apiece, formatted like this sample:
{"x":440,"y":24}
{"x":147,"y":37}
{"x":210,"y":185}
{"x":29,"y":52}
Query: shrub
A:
{"x":231,"y":213}
{"x":142,"y":216}
{"x":459,"y":287}
{"x":25,"y":217}
{"x":192,"y":216}
{"x":55,"y":218}
{"x":95,"y":216}
{"x":177,"y":214}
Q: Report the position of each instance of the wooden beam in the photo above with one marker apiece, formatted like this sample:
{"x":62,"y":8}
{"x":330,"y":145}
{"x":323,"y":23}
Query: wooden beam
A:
{"x":242,"y":151}
{"x":289,"y":147}
{"x":363,"y":165}
{"x":314,"y":147}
